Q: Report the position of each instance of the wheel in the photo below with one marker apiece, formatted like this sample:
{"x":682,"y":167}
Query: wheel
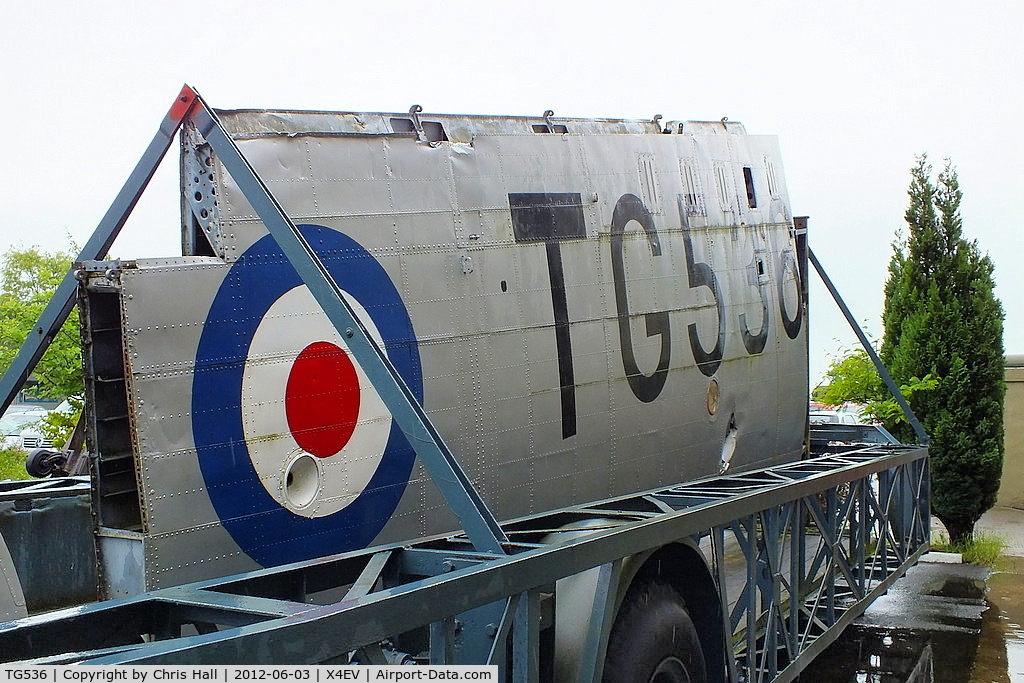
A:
{"x":653,"y":639}
{"x":42,"y":462}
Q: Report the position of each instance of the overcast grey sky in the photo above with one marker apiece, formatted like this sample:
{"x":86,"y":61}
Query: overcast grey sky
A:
{"x":853,"y":90}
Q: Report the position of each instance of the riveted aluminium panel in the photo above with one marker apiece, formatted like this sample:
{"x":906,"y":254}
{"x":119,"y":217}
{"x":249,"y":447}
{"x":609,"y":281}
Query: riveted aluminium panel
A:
{"x":562,"y":364}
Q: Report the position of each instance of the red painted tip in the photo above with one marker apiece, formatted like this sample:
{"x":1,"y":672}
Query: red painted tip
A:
{"x":183,"y":103}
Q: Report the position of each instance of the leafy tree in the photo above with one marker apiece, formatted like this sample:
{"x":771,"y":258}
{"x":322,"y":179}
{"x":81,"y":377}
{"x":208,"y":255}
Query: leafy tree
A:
{"x":854,"y":379}
{"x":29,"y":278}
{"x":12,"y":464}
{"x":942,"y":319}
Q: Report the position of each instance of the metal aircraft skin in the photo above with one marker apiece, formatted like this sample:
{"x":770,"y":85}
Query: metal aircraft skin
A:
{"x":585,"y":308}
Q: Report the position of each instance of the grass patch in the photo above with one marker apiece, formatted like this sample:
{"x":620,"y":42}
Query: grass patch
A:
{"x":12,"y":464}
{"x":984,"y":549}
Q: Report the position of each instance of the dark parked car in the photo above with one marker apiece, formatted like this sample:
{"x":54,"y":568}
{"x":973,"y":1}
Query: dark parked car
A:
{"x":832,"y":437}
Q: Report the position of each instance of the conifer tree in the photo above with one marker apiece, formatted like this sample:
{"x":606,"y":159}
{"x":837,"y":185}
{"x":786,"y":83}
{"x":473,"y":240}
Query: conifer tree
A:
{"x":942,"y":318}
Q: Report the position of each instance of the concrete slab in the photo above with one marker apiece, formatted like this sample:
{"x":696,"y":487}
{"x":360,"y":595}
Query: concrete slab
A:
{"x":926,"y":628}
{"x":954,"y":621}
{"x":1007,"y":523}
{"x":1004,"y":522}
{"x":942,"y":558}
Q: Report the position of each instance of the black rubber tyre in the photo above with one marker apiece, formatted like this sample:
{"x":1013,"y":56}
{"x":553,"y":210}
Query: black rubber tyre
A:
{"x":653,"y":639}
{"x":41,"y":462}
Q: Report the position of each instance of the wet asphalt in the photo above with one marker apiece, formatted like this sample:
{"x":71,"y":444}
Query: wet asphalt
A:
{"x":943,"y":621}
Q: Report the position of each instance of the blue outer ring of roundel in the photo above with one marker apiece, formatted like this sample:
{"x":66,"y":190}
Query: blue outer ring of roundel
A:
{"x":269,"y":533}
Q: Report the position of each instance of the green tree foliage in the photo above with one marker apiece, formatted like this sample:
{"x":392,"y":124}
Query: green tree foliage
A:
{"x":942,"y":319}
{"x":29,"y":278}
{"x":853,"y":378}
{"x":12,"y":464}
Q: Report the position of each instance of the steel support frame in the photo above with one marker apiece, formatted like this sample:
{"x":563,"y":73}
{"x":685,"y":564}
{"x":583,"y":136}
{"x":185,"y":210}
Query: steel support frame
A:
{"x":455,"y":486}
{"x":816,"y":562}
{"x":444,"y":469}
{"x":834,"y":532}
{"x":102,"y":238}
{"x":890,"y":383}
{"x":874,"y":500}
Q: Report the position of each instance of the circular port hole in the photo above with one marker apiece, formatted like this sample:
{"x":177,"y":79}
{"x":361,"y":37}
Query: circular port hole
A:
{"x":301,"y":480}
{"x":712,"y":397}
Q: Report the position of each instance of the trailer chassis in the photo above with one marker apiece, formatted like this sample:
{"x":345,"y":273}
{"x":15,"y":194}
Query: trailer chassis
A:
{"x":820,"y":538}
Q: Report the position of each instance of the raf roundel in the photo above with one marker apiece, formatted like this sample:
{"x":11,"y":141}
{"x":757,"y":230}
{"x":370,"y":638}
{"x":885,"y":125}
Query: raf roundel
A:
{"x":315,"y":428}
{"x":298,"y":452}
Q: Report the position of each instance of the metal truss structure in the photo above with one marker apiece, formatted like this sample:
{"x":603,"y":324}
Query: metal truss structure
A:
{"x":819,"y":540}
{"x":815,"y":563}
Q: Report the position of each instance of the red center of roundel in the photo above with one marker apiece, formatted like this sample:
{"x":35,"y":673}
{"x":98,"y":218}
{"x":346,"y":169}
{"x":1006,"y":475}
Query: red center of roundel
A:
{"x":321,"y":400}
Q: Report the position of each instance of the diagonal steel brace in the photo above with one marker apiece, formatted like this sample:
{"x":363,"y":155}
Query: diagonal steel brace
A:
{"x":922,"y":436}
{"x":63,"y":300}
{"x":462,"y":497}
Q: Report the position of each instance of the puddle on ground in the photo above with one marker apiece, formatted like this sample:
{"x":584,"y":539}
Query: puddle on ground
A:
{"x":871,"y":654}
{"x":1001,"y":647}
{"x":942,"y":625}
